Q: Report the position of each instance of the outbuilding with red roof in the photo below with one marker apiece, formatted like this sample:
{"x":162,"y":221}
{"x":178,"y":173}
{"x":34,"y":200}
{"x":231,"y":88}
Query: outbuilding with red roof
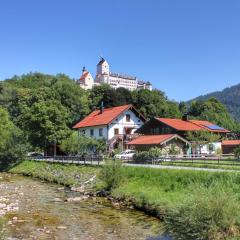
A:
{"x":165,"y":141}
{"x":228,"y":146}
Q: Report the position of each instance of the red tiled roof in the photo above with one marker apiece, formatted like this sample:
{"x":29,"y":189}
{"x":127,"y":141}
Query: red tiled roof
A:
{"x":151,"y":139}
{"x":179,"y":124}
{"x":205,"y":124}
{"x":84,"y":76}
{"x":191,"y":125}
{"x":231,"y":142}
{"x":96,"y":118}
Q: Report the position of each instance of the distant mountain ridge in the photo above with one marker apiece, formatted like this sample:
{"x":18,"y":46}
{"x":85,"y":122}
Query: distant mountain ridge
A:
{"x":230,"y":97}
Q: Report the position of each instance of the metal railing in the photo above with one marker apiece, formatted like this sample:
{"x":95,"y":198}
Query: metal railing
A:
{"x":89,"y":159}
{"x":224,"y":160}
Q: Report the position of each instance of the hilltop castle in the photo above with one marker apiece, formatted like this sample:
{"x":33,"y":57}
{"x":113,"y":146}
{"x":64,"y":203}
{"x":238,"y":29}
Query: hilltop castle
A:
{"x":115,"y":80}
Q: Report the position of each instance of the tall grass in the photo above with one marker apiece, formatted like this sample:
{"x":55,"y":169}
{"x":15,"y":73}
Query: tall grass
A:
{"x":194,"y":205}
{"x":67,"y":175}
{"x":206,"y":213}
{"x":111,"y":174}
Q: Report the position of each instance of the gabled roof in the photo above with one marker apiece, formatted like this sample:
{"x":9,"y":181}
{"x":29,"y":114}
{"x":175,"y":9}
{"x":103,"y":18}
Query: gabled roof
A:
{"x":179,"y":124}
{"x":192,"y":125}
{"x":155,"y":139}
{"x":209,"y":126}
{"x":107,"y":116}
{"x":102,"y":60}
{"x":231,"y":142}
{"x":83,"y":77}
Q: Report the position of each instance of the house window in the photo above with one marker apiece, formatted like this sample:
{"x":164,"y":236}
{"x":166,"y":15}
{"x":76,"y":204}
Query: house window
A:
{"x":100,"y":132}
{"x":92,"y":132}
{"x":128,"y":117}
{"x":116,"y":131}
{"x":83,"y":132}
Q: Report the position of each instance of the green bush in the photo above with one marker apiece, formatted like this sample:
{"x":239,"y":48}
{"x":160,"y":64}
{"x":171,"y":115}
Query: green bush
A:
{"x":174,"y":150}
{"x":207,"y":213}
{"x":237,"y":153}
{"x":143,"y":156}
{"x":111,"y":174}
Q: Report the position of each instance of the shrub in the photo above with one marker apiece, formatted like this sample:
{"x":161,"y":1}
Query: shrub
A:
{"x":237,"y":153}
{"x":174,"y":150}
{"x":207,"y":213}
{"x":143,"y":156}
{"x":111,"y":174}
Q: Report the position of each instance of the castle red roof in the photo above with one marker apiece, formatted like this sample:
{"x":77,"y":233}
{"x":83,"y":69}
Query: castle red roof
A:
{"x":96,"y":118}
{"x":231,"y":142}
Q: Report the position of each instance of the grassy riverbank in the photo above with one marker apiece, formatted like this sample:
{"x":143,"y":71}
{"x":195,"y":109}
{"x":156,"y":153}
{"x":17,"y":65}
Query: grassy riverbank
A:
{"x":67,"y":175}
{"x":193,"y":204}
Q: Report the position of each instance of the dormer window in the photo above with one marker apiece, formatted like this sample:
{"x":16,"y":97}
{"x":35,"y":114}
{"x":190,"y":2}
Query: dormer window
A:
{"x":128,"y":118}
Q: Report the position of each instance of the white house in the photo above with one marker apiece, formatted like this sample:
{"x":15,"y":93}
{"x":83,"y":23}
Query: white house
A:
{"x":115,"y":124}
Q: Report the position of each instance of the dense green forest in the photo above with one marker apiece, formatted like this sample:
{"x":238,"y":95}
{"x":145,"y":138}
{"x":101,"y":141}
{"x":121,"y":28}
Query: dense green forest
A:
{"x":38,"y":109}
{"x":230,"y":97}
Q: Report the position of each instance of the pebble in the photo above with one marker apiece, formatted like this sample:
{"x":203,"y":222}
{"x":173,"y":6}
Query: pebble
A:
{"x":61,"y":227}
{"x":78,"y":189}
{"x":75,"y":199}
{"x":57,"y":200}
{"x":3,"y":205}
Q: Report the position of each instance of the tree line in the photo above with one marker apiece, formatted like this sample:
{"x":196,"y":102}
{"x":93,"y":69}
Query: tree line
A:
{"x":40,"y":109}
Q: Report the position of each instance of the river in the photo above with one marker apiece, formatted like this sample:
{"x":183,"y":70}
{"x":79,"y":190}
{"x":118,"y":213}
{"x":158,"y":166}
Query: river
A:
{"x":31,"y":209}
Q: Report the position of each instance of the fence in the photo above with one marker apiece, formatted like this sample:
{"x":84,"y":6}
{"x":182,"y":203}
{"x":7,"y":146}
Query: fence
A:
{"x":222,"y":160}
{"x":91,"y":159}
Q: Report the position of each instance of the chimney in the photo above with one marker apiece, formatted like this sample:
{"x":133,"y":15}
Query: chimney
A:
{"x":185,"y":117}
{"x":101,"y":107}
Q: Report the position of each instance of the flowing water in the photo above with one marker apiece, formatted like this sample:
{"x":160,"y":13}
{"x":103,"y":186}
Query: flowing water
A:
{"x":31,"y":209}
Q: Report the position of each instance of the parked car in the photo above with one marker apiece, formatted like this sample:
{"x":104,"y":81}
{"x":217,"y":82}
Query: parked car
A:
{"x":35,"y":155}
{"x":126,"y":155}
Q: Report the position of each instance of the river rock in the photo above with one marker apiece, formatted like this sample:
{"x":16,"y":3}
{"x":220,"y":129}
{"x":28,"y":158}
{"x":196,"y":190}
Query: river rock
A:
{"x":78,"y":189}
{"x":61,"y":227}
{"x":57,"y":200}
{"x":116,"y":204}
{"x":102,"y":193}
{"x":75,"y":199}
{"x":2,"y":212}
{"x":3,"y":199}
{"x":3,"y":205}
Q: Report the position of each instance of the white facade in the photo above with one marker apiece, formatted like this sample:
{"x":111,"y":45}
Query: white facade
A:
{"x":210,"y":148}
{"x":126,"y":123}
{"x":86,"y":81}
{"x":115,"y":80}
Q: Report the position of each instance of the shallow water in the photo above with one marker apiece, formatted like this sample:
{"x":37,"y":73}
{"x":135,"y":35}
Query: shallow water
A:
{"x":37,"y":212}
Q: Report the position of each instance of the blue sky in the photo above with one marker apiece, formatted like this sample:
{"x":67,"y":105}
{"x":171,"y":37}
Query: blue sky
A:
{"x":185,"y":48}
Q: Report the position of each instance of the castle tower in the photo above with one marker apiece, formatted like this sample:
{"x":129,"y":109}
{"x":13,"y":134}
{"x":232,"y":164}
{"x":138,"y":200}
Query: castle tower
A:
{"x":103,"y":67}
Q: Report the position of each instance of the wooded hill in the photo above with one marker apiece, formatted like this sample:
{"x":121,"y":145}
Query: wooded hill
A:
{"x":230,"y":97}
{"x":41,"y":109}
